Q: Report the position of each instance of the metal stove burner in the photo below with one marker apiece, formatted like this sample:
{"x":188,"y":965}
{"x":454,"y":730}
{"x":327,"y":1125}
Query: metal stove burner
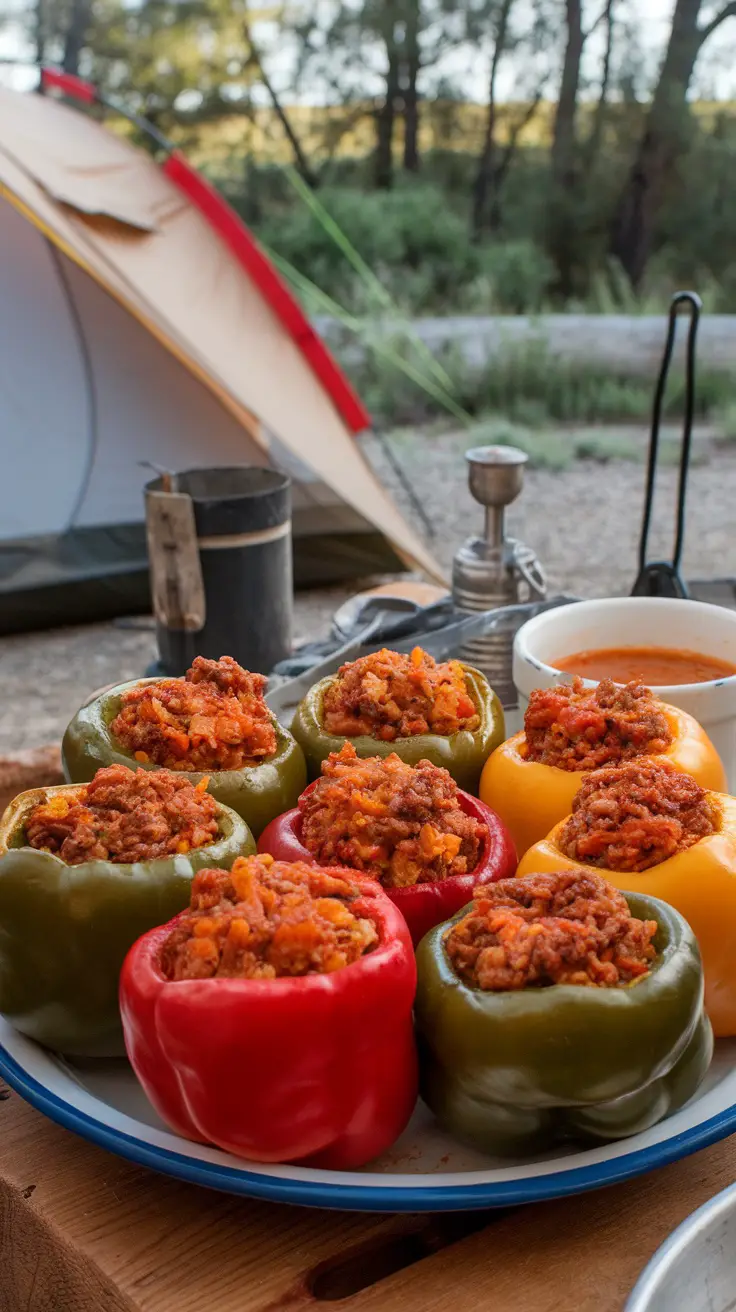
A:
{"x":495,"y":570}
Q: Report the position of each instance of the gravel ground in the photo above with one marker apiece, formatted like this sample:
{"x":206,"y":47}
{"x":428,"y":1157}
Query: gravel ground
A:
{"x":583,"y":523}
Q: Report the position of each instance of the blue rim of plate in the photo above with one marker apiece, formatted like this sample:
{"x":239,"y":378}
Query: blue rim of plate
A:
{"x":369,"y":1198}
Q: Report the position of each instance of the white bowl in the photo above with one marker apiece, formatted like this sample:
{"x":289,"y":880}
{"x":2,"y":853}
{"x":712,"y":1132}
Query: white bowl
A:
{"x":639,"y":622}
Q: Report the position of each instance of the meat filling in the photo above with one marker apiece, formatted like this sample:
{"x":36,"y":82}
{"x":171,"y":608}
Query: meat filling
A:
{"x":577,"y":728}
{"x":387,"y":695}
{"x":399,"y":823}
{"x":632,"y":817}
{"x":215,"y":718}
{"x":565,"y":928}
{"x":264,"y":919}
{"x":123,"y":816}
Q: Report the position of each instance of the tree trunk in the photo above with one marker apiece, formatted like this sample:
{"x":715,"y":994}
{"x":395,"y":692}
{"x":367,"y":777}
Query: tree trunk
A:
{"x":599,"y":116}
{"x":383,"y":173}
{"x":412,"y":65}
{"x":663,"y":141}
{"x":507,"y":159}
{"x":75,"y":35}
{"x":39,"y":33}
{"x":562,"y":236}
{"x":485,"y":176}
{"x":563,"y":139}
{"x":300,"y":159}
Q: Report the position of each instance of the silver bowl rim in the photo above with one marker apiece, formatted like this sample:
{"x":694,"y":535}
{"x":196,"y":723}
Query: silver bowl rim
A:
{"x":640,"y":1298}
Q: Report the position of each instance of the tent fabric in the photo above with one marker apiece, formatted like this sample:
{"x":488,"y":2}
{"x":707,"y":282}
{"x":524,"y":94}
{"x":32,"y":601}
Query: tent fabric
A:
{"x":54,"y":480}
{"x":117,"y":293}
{"x":259,"y":269}
{"x":223,"y":219}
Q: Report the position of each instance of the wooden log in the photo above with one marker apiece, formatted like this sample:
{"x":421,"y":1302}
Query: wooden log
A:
{"x":629,"y":345}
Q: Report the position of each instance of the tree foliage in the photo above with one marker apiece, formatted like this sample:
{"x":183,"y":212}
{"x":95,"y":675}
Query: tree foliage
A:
{"x":589,"y":169}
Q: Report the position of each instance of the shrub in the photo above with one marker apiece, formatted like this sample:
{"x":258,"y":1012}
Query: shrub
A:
{"x":520,"y":275}
{"x":409,"y":237}
{"x":528,"y":385}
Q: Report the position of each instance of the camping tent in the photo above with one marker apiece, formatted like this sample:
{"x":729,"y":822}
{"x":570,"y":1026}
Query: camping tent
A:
{"x":140,"y":322}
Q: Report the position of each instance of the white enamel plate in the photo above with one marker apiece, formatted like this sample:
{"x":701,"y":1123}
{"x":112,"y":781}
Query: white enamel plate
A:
{"x":425,"y":1171}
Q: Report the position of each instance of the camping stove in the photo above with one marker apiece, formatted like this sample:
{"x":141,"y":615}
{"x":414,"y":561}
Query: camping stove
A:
{"x":494,"y":570}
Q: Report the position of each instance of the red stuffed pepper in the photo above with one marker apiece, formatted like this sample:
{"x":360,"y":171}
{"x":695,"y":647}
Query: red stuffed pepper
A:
{"x":274,"y":1018}
{"x":410,"y":827}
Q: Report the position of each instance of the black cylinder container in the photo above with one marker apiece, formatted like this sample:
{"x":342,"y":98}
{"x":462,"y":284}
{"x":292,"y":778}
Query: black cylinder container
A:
{"x":242,"y":515}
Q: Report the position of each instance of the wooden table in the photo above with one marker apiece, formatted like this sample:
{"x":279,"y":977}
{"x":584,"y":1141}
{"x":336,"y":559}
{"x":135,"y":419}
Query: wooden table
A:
{"x":83,"y":1231}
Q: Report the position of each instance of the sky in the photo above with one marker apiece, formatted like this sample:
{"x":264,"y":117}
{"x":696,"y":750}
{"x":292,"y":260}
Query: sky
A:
{"x":715,"y":75}
{"x":468,"y":65}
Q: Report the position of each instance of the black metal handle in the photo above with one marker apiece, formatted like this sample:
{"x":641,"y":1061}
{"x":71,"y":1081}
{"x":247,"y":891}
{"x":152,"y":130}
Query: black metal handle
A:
{"x":664,"y":577}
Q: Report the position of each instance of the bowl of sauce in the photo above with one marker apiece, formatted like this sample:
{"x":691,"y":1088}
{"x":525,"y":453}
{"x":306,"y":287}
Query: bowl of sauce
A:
{"x":657,"y":667}
{"x":685,"y":651}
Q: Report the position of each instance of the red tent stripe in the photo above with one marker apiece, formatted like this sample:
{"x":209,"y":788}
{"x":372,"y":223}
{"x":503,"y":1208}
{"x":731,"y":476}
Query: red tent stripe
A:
{"x":69,"y":85}
{"x":259,"y":268}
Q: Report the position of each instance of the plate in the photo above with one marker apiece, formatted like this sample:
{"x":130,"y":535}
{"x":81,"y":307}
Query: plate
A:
{"x":425,"y":1171}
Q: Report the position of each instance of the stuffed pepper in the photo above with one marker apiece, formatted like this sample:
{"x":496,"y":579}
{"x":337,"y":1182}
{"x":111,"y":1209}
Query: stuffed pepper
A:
{"x":408,"y":826}
{"x":387,"y":702}
{"x":649,"y":828}
{"x":274,"y":1018}
{"x":85,"y":870}
{"x":554,"y":1007}
{"x":569,"y":730}
{"x":213,"y":722}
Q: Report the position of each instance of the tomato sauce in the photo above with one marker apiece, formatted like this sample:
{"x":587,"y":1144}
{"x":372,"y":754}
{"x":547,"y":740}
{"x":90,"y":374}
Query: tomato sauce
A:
{"x":657,"y":667}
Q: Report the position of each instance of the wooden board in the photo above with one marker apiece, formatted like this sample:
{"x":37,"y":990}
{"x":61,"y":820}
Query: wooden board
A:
{"x":177,"y":588}
{"x":83,"y":1231}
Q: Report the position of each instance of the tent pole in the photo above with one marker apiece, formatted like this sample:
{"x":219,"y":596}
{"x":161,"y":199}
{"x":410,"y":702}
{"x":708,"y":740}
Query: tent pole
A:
{"x":403,"y":478}
{"x":89,"y":380}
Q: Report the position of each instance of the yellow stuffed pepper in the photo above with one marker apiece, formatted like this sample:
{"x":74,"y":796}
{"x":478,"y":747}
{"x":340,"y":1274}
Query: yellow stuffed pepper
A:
{"x":569,"y":730}
{"x":650,"y":829}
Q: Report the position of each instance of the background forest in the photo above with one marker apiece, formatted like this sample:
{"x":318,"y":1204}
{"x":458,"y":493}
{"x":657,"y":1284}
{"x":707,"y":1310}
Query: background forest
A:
{"x":444,"y":157}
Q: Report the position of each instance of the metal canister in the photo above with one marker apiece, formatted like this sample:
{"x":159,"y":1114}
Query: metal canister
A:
{"x":492,"y":570}
{"x":221,"y":565}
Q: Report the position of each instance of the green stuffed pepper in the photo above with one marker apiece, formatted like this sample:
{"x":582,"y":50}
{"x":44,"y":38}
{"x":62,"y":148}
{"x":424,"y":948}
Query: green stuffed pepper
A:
{"x":67,"y":924}
{"x":515,"y":1057}
{"x":258,"y":792}
{"x":387,"y":702}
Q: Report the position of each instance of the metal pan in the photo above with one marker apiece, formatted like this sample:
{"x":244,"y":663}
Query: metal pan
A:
{"x":695,"y":1269}
{"x":443,"y":643}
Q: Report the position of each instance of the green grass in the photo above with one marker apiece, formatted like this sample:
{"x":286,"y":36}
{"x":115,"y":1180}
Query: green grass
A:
{"x":606,"y":445}
{"x":525,"y":384}
{"x":553,"y":448}
{"x":725,"y":420}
